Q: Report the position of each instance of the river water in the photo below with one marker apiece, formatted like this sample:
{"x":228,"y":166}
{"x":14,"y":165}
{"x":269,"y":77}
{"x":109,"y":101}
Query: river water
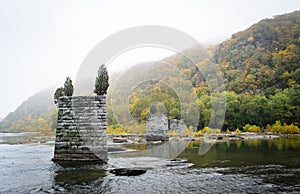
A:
{"x":252,"y":166}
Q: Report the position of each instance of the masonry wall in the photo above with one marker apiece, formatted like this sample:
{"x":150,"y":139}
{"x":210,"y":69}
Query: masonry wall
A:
{"x":157,"y":128}
{"x":81,"y":129}
{"x":177,"y":126}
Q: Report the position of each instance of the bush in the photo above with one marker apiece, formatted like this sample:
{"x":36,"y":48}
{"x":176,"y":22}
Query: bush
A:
{"x":252,"y":128}
{"x":246,"y":127}
{"x":283,"y":129}
{"x":290,"y":129}
{"x":173,"y":133}
{"x":237,"y":131}
{"x":205,"y":130}
{"x":115,"y":129}
{"x":208,"y":130}
{"x":198,"y":134}
{"x":188,"y":130}
{"x":268,"y":128}
{"x":277,"y":127}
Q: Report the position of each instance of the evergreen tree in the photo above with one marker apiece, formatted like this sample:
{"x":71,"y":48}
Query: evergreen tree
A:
{"x":58,"y":93}
{"x":101,"y":83}
{"x":68,"y":87}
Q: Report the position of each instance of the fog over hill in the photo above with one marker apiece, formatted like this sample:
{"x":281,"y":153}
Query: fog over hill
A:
{"x":34,"y":114}
{"x":260,"y":67}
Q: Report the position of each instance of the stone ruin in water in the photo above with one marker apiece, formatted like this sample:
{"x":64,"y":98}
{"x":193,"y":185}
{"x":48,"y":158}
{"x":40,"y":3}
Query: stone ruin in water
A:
{"x":177,"y":126}
{"x":81,"y":129}
{"x":157,"y":128}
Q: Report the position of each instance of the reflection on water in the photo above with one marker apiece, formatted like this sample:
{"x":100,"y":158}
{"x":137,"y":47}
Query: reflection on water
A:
{"x":257,"y":166}
{"x":170,"y":149}
{"x":250,"y":152}
{"x":78,"y":176}
{"x":82,"y":179}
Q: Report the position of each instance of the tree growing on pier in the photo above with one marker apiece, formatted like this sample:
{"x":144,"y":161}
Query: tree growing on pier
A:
{"x":101,"y":83}
{"x":58,"y":93}
{"x":68,"y":87}
{"x":67,"y":90}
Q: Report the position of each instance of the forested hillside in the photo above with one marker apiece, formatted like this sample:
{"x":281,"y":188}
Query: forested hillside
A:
{"x":33,"y":114}
{"x":261,"y":71}
{"x":261,"y":65}
{"x":263,"y":58}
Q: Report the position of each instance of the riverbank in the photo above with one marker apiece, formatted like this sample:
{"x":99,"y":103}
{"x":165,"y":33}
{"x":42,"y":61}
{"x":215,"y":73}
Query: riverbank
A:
{"x":49,"y":138}
{"x":219,"y":137}
{"x":27,"y":138}
{"x":242,"y":136}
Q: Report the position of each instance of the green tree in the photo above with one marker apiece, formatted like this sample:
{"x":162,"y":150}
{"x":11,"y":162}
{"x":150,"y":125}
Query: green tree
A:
{"x":68,"y":87}
{"x":294,"y":102}
{"x":232,"y":119}
{"x":58,"y":93}
{"x":139,"y":108}
{"x":101,"y":83}
{"x":258,"y":111}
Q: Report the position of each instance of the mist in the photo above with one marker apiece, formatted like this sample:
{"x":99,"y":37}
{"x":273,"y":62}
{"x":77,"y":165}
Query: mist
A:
{"x":43,"y":42}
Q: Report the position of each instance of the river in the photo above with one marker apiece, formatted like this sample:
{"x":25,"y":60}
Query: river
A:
{"x":252,"y":166}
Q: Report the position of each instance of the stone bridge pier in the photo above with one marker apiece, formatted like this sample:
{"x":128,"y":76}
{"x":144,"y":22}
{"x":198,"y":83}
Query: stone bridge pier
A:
{"x":157,"y":128}
{"x":81,"y":129}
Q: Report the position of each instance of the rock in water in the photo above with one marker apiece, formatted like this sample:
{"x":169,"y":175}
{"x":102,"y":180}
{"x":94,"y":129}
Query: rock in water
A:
{"x":119,"y":140}
{"x":128,"y":171}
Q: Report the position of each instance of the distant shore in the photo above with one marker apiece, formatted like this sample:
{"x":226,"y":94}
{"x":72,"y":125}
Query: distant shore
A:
{"x":218,"y":137}
{"x":49,"y":138}
{"x":25,"y":137}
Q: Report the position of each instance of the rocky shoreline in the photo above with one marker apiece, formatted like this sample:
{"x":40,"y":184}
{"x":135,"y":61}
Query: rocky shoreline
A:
{"x":219,"y":137}
{"x":26,"y":138}
{"x":242,"y":136}
{"x":49,"y":138}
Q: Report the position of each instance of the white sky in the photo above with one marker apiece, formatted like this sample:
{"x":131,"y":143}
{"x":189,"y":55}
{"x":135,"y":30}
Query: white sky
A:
{"x":43,"y":41}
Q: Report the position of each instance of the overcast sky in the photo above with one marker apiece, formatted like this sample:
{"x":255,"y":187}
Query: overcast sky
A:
{"x":43,"y":41}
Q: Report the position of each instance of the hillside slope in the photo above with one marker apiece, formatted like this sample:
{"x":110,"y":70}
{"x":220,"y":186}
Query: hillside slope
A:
{"x":261,"y":72}
{"x":260,"y":66}
{"x":264,"y":57}
{"x":34,"y":114}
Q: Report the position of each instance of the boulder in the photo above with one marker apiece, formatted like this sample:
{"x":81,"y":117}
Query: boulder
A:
{"x":119,"y":140}
{"x":128,"y":171}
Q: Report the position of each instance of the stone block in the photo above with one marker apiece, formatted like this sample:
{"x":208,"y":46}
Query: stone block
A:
{"x":81,"y":126}
{"x":157,"y":128}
